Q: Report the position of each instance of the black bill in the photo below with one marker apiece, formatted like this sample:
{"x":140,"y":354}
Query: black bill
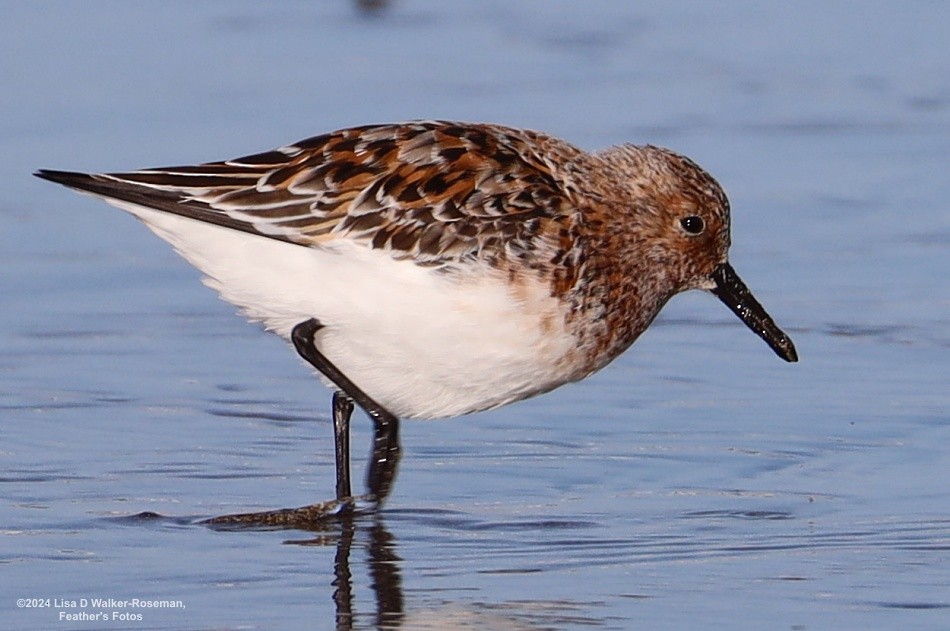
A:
{"x":732,"y":291}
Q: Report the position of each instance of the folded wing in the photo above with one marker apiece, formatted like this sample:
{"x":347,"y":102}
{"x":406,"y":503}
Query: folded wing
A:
{"x":433,"y":192}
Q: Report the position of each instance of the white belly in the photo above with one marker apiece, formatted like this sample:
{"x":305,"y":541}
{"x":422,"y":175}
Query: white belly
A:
{"x":421,"y":343}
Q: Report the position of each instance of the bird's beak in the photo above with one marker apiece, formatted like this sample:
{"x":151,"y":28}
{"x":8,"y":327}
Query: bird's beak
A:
{"x":732,"y":291}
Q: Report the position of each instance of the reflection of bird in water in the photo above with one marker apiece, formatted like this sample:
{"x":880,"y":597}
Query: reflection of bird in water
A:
{"x":390,"y":609}
{"x":434,"y":269}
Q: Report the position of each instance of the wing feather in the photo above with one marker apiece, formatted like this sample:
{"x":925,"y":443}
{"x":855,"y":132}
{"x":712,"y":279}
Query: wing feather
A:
{"x":435,"y":192}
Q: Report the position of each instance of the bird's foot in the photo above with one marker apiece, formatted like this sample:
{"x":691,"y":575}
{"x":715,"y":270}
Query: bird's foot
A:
{"x":305,"y":517}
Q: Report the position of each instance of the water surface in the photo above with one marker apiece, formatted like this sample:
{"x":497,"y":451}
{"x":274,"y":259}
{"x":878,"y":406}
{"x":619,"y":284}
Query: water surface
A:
{"x":698,"y":482}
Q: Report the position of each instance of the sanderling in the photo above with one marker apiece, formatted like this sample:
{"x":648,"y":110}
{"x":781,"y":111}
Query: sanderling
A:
{"x":433,"y":269}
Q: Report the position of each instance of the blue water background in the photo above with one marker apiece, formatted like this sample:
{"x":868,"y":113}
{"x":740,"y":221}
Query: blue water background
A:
{"x":698,"y":482}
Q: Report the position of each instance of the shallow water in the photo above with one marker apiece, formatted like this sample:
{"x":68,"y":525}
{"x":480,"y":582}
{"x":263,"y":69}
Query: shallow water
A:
{"x":698,"y":482}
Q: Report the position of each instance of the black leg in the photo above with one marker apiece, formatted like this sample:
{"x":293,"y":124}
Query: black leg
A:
{"x":342,"y":409}
{"x":382,"y":466}
{"x":385,"y":456}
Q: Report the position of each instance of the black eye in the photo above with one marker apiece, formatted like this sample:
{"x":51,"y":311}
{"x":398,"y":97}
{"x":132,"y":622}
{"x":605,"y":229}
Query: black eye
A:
{"x":693,"y":224}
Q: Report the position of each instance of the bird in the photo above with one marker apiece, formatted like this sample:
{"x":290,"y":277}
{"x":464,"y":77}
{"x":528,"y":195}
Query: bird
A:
{"x":432,"y":269}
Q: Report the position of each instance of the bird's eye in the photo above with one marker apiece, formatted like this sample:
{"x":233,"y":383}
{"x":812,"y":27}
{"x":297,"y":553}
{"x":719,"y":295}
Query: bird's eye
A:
{"x":693,"y":224}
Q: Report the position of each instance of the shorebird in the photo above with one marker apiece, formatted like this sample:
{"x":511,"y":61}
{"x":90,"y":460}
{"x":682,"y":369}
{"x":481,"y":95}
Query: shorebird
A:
{"x":433,"y":269}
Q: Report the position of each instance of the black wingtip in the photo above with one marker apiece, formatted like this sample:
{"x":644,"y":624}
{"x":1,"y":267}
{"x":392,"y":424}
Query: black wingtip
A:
{"x":117,"y":187}
{"x":66,"y":178}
